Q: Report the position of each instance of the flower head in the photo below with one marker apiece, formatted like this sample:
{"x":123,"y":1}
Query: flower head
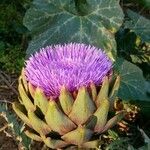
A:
{"x":71,"y":65}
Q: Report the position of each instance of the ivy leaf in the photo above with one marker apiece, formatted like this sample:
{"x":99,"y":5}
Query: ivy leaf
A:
{"x":133,"y":84}
{"x":139,"y":24}
{"x":62,"y":21}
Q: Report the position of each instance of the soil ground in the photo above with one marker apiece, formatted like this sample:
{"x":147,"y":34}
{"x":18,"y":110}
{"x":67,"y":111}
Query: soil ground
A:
{"x":6,"y":143}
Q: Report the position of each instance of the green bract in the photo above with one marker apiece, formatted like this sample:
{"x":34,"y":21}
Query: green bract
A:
{"x":74,"y":119}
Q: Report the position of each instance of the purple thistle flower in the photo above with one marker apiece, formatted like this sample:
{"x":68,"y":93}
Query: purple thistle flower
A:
{"x":71,"y":65}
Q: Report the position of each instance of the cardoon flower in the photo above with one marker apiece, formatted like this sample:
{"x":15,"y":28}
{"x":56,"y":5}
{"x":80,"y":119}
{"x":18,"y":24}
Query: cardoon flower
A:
{"x":70,"y":65}
{"x":47,"y":103}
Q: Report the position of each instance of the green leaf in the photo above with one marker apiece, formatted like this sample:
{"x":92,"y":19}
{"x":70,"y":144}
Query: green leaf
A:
{"x":132,"y":86}
{"x":132,"y":48}
{"x":126,"y":41}
{"x":145,"y":108}
{"x":139,"y":24}
{"x":120,"y":143}
{"x":145,"y":3}
{"x":62,"y":21}
{"x":16,"y":125}
{"x":146,"y":140}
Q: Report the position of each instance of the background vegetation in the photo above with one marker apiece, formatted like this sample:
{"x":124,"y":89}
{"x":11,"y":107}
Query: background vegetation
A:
{"x":13,"y":34}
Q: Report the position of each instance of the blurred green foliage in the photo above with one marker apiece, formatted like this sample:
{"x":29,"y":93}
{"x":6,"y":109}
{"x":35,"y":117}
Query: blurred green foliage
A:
{"x":145,"y":3}
{"x":12,"y":34}
{"x":12,"y":58}
{"x":142,"y":3}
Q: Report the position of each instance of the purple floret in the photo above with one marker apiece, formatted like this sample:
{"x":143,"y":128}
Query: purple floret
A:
{"x":71,"y":65}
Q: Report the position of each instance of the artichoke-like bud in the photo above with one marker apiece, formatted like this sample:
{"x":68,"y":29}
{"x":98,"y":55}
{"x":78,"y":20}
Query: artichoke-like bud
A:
{"x":65,"y":96}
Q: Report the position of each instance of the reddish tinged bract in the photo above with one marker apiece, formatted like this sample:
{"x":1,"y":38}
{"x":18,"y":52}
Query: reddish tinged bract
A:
{"x":71,"y":65}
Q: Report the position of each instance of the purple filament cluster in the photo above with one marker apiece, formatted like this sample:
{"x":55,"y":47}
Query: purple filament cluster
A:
{"x":71,"y":65}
